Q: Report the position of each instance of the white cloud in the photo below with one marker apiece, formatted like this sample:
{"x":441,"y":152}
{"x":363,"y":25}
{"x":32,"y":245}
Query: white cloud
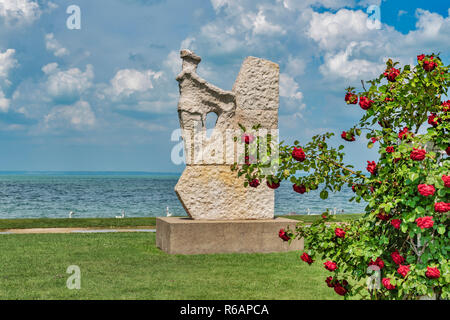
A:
{"x":295,"y":66}
{"x":67,"y":85}
{"x":7,"y":62}
{"x":173,"y":62}
{"x":340,"y":64}
{"x":17,"y":12}
{"x":289,"y":88}
{"x":4,"y":103}
{"x":129,"y":81}
{"x":78,"y":116}
{"x":336,"y":30}
{"x":260,"y":26}
{"x":54,"y":46}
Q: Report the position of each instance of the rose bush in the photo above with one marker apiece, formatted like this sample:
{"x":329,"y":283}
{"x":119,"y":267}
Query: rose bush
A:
{"x":405,"y":229}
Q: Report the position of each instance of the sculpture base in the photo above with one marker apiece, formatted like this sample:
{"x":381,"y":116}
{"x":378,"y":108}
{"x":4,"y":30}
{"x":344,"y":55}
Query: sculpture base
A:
{"x":183,"y":235}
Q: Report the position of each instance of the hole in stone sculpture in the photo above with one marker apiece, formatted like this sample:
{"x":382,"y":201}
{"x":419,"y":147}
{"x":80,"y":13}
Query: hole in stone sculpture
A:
{"x":210,"y":123}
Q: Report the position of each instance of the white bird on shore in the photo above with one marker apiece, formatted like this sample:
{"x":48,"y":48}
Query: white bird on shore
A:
{"x":122,"y":216}
{"x":168,"y":213}
{"x":71,"y":213}
{"x":309,"y":211}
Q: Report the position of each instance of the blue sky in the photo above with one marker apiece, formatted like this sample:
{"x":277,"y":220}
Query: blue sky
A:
{"x":105,"y":97}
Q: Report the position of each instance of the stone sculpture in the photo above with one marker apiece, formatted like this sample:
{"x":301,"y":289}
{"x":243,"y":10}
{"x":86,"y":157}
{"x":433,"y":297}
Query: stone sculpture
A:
{"x":208,"y":189}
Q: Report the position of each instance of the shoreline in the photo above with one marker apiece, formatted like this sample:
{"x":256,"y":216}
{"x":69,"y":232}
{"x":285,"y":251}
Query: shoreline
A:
{"x":123,"y":223}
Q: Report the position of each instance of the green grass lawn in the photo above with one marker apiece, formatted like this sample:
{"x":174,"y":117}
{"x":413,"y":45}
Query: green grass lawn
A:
{"x":129,"y":266}
{"x":121,"y":223}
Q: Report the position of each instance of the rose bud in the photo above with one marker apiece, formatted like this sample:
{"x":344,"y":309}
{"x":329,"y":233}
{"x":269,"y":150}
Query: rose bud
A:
{"x":351,"y":98}
{"x":329,"y":281}
{"x":283,"y":235}
{"x":254,"y":183}
{"x":300,"y":189}
{"x":420,"y":57}
{"x":273,"y":184}
{"x":372,"y":167}
{"x":344,"y":136}
{"x":307,"y":258}
{"x":340,"y":290}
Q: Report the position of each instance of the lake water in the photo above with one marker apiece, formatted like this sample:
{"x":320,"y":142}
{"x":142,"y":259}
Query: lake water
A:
{"x":54,"y":195}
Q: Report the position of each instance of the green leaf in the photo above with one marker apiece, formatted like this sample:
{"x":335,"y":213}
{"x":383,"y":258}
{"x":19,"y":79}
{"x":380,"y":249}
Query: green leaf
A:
{"x":324,"y":194}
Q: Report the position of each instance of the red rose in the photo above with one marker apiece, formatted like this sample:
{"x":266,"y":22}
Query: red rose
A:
{"x":420,"y":57}
{"x":283,"y":235}
{"x":387,"y":284}
{"x":390,"y":149}
{"x":307,"y":258}
{"x":446,"y":106}
{"x":344,"y":136}
{"x":298,"y":154}
{"x":388,"y":99}
{"x":247,"y":138}
{"x":329,"y":281}
{"x":403,"y":133}
{"x":429,"y":65}
{"x":426,"y":189}
{"x":300,"y":189}
{"x":418,"y":154}
{"x":351,"y":98}
{"x":254,"y":183}
{"x":425,"y":222}
{"x":441,"y":207}
{"x":446,"y":180}
{"x":396,"y":223}
{"x":331,"y":266}
{"x":339,"y":232}
{"x":372,"y":167}
{"x":273,"y":184}
{"x":365,"y":103}
{"x":397,"y":258}
{"x":397,"y":160}
{"x":432,"y":273}
{"x":448,"y":150}
{"x":391,"y":74}
{"x":433,"y":120}
{"x":403,"y":270}
{"x":340,"y":290}
{"x":354,"y":188}
{"x":384,"y":216}
{"x":378,"y":262}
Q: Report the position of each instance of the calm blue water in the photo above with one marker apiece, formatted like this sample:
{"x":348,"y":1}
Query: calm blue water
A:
{"x":50,"y":195}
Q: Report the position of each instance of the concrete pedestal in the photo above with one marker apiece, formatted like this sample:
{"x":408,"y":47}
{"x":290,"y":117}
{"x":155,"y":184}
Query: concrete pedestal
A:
{"x":179,"y":235}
